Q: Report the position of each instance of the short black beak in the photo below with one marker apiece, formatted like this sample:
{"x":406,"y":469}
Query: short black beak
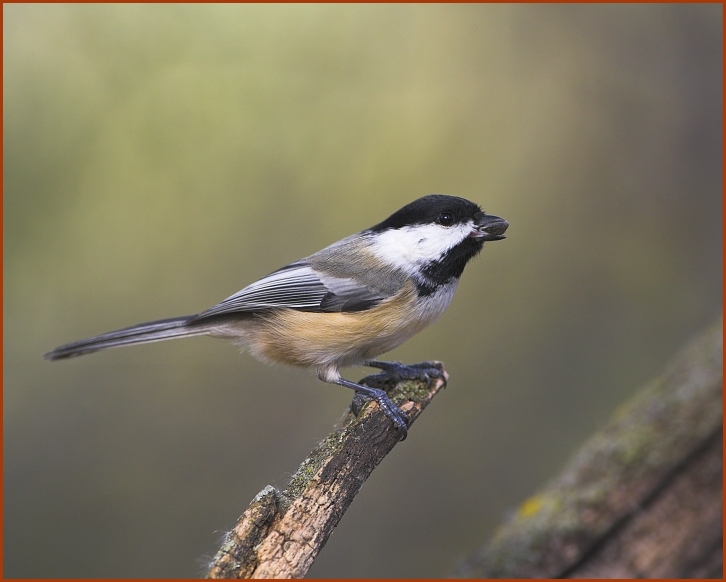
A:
{"x":489,"y":227}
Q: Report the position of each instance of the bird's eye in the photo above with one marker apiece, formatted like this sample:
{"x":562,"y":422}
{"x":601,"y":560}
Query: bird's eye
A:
{"x":445,"y":219}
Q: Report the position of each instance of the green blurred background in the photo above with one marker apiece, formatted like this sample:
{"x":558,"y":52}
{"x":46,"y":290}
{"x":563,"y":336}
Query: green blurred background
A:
{"x":158,"y":158}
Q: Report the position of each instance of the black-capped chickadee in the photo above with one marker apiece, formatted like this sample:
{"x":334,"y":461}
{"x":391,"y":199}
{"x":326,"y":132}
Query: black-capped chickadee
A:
{"x":346,"y":304}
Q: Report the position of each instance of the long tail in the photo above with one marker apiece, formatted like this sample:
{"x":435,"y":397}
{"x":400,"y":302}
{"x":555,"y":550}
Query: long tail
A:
{"x":153,"y":331}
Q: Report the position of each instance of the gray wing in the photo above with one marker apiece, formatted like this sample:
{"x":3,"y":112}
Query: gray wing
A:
{"x":299,"y":286}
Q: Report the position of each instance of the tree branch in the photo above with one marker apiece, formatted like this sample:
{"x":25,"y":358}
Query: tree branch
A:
{"x":281,"y":532}
{"x":641,"y":499}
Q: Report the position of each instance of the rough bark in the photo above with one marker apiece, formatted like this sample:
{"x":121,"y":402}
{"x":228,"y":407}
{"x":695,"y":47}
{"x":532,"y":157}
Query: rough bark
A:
{"x":281,"y":532}
{"x":641,"y":499}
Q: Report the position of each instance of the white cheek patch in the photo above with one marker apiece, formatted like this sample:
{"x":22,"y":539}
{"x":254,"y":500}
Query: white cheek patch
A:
{"x":411,"y":246}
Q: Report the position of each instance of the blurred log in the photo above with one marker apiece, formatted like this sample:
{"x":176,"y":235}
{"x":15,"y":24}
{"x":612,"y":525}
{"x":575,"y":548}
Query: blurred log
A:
{"x":281,"y":532}
{"x":641,"y":499}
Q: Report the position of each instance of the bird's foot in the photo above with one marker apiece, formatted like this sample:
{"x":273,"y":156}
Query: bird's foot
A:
{"x":395,"y":372}
{"x":364,"y":394}
{"x":385,"y":381}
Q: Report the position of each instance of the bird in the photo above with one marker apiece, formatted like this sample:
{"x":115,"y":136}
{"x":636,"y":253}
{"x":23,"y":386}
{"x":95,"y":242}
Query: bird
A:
{"x":344,"y":305}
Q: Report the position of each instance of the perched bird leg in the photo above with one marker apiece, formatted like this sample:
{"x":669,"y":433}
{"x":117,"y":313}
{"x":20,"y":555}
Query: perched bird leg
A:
{"x":398,"y":417}
{"x":393,"y":373}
